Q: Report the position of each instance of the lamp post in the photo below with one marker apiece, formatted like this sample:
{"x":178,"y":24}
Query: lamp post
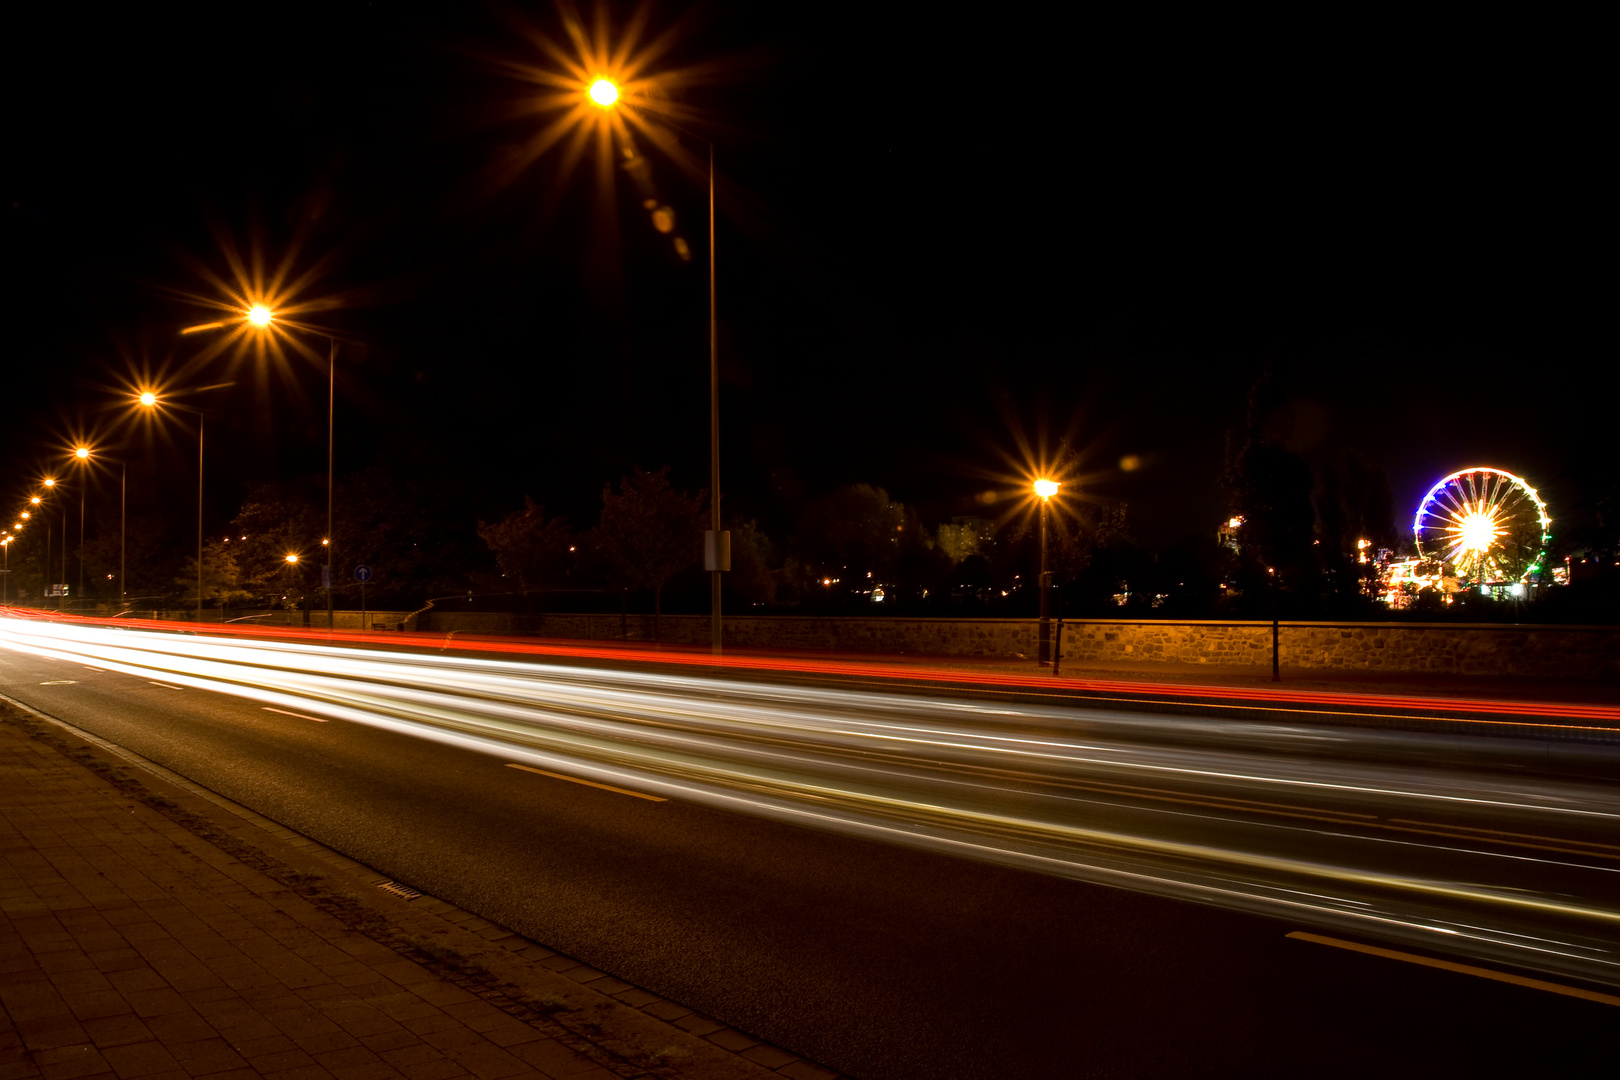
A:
{"x":148,"y":399}
{"x":83,"y":455}
{"x":262,"y":316}
{"x":604,"y":93}
{"x":1045,"y":489}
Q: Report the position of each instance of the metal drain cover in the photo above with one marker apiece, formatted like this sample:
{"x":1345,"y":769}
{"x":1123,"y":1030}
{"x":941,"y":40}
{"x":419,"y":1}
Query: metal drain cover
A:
{"x":404,"y":892}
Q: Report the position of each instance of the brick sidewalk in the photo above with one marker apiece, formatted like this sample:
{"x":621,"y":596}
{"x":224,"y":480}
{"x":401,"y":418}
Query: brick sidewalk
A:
{"x":143,"y":936}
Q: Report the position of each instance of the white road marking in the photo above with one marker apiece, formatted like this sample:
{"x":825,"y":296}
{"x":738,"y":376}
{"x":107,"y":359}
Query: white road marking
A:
{"x":165,"y":685}
{"x":300,"y":715}
{"x":589,"y":783}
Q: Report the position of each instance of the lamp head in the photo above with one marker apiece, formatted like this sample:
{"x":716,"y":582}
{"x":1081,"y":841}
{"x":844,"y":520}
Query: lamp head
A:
{"x":260,"y":316}
{"x":1047,"y":488}
{"x":603,"y":92}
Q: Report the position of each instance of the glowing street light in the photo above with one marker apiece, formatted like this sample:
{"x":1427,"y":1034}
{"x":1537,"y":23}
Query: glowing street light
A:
{"x":292,"y":557}
{"x":261,"y":316}
{"x":603,"y":92}
{"x":147,"y":398}
{"x":1045,"y":488}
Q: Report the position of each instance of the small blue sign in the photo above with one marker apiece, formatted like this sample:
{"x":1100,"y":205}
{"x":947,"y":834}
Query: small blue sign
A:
{"x":362,"y":573}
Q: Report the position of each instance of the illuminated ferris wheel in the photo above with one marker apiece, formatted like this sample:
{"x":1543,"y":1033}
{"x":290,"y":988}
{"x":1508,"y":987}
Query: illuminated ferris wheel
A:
{"x":1486,"y":525}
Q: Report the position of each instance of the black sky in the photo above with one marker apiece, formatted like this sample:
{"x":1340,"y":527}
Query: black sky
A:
{"x":936,"y":229}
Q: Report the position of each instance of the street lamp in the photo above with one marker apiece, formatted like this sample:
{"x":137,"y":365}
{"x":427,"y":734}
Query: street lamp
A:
{"x":262,"y":316}
{"x":148,"y":399}
{"x":81,"y":456}
{"x":604,"y":93}
{"x":1045,"y":489}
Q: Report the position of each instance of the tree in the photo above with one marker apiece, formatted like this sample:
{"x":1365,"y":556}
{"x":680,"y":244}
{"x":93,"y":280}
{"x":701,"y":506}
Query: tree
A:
{"x":531,"y":550}
{"x":222,"y":584}
{"x":751,"y":580}
{"x":1270,"y":488}
{"x":649,"y":531}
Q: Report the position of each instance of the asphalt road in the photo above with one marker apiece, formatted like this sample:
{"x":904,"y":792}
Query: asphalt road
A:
{"x":899,"y":960}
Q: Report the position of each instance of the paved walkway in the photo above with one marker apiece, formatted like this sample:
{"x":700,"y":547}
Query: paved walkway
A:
{"x":147,"y":931}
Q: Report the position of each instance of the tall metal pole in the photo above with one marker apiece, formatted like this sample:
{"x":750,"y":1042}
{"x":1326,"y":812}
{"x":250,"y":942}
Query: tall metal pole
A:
{"x":123,"y":531}
{"x":1044,"y":637}
{"x":331,"y":414}
{"x":714,"y":427}
{"x":200,"y":423}
{"x":60,"y":599}
{"x":82,"y":487}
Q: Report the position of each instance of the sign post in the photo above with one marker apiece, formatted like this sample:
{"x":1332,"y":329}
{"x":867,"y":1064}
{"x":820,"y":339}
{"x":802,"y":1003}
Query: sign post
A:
{"x":362,"y":574}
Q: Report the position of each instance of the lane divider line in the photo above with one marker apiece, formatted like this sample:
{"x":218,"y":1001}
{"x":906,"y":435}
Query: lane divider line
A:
{"x":1461,"y":969}
{"x":165,"y":685}
{"x":588,"y":783}
{"x":300,"y":715}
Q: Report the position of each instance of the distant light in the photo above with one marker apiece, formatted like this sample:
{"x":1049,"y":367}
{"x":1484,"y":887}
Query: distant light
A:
{"x":292,"y":558}
{"x":50,"y":483}
{"x":604,"y":92}
{"x":1046,"y":488}
{"x":82,"y":452}
{"x":148,"y":398}
{"x":26,"y":515}
{"x":35,"y":500}
{"x":325,"y":542}
{"x":259,"y":315}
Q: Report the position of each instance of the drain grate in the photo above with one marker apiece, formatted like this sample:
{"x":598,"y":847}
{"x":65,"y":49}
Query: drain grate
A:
{"x":404,"y":892}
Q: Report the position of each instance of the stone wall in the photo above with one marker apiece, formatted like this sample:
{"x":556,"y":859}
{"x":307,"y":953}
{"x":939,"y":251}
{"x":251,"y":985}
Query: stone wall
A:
{"x":1574,"y":652}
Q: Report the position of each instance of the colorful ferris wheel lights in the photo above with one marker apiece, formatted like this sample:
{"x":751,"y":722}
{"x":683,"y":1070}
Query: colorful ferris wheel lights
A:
{"x":1485,"y":525}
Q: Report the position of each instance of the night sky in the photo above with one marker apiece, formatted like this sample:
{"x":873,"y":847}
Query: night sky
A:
{"x":939,"y":232}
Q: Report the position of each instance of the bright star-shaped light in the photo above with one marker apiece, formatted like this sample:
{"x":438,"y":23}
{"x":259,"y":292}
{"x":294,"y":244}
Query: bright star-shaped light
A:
{"x":1477,"y":531}
{"x":259,"y":315}
{"x":604,"y":92}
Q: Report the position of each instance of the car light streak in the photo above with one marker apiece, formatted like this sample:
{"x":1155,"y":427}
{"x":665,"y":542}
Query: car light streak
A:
{"x":1043,"y":788}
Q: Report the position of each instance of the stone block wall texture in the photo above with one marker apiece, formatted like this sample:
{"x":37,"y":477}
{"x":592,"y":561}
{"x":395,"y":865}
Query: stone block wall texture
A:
{"x":1571,"y":652}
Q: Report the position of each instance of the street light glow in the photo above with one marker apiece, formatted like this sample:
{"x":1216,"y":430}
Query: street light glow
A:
{"x":82,"y":453}
{"x":604,"y":92}
{"x":50,"y":482}
{"x":259,"y":315}
{"x":1046,"y":488}
{"x":292,"y":558}
{"x":148,"y":398}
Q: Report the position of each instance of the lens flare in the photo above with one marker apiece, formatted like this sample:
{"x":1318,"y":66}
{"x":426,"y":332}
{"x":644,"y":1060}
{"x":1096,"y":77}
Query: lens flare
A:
{"x":604,"y":92}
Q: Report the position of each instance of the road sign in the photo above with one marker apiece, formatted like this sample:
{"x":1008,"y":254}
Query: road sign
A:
{"x":362,"y":573}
